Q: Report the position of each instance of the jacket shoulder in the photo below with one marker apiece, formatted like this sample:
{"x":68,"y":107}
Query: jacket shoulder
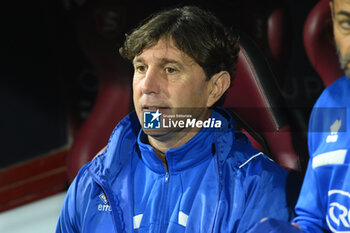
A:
{"x":247,"y":159}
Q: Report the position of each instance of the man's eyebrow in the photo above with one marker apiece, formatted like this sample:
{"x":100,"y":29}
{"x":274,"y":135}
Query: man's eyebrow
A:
{"x":346,"y":13}
{"x":164,"y":61}
{"x":138,"y":59}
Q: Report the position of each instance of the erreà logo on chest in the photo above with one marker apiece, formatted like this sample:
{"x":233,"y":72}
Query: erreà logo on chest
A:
{"x":105,"y":206}
{"x":333,"y":137}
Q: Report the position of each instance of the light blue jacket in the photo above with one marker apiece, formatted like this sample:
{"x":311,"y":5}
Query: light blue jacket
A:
{"x":217,"y":182}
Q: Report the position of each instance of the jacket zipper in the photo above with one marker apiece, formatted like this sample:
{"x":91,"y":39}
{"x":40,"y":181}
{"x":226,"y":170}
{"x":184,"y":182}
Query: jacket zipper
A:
{"x":166,"y":177}
{"x":219,"y":193}
{"x":164,"y":201}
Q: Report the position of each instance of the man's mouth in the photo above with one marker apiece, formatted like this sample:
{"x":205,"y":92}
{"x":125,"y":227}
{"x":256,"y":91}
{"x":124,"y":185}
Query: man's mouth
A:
{"x":153,"y":107}
{"x":345,"y":62}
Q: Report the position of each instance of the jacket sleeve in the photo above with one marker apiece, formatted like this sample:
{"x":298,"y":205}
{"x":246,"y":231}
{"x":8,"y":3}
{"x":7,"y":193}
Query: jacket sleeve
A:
{"x":67,"y":222}
{"x":309,"y":207}
{"x":69,"y":219}
{"x":265,"y":184}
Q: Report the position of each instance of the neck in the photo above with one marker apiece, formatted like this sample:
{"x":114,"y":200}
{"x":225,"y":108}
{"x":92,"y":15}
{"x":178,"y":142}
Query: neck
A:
{"x":177,"y":139}
{"x":174,"y":139}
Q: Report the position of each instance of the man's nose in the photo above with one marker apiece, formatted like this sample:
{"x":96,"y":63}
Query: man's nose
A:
{"x":151,"y":82}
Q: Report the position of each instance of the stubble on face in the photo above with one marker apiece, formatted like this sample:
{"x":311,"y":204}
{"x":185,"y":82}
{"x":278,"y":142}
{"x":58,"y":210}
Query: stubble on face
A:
{"x":344,"y":61}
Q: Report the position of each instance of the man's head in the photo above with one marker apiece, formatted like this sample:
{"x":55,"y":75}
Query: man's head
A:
{"x":341,"y":25}
{"x":183,"y":58}
{"x":195,"y":32}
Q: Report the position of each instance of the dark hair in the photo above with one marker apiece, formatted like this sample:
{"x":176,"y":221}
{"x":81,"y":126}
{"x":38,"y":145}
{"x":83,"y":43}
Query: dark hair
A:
{"x":196,"y":32}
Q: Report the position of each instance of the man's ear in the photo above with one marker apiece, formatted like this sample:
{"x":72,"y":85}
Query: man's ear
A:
{"x":218,"y":84}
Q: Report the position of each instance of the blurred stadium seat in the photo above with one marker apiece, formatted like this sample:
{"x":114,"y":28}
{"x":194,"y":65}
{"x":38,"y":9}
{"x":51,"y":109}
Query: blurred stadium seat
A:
{"x":256,"y":101}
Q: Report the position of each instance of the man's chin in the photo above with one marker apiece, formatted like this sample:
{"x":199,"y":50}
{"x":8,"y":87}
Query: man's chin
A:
{"x":162,"y":132}
{"x":347,"y":73}
{"x":154,"y":132}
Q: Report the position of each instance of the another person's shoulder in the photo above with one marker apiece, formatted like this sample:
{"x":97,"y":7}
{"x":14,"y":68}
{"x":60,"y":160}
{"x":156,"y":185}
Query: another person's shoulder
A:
{"x":335,"y":94}
{"x":329,"y":117}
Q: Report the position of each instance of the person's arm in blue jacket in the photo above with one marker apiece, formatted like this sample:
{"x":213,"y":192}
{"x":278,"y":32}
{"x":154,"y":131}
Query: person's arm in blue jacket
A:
{"x":67,"y":222}
{"x":309,"y":209}
{"x":265,"y":187}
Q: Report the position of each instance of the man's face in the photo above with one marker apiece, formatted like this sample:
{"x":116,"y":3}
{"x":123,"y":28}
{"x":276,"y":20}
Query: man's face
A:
{"x":167,"y":78}
{"x":341,"y":27}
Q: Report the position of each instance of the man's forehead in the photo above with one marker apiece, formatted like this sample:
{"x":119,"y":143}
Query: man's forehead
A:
{"x":342,"y":3}
{"x":341,"y":8}
{"x":165,"y":51}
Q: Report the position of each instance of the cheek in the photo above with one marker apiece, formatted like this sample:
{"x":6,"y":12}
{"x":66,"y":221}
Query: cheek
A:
{"x":191,"y":94}
{"x":343,"y":43}
{"x":136,"y":96}
{"x":176,"y":94}
{"x":136,"y":93}
{"x":347,"y":45}
{"x":136,"y":87}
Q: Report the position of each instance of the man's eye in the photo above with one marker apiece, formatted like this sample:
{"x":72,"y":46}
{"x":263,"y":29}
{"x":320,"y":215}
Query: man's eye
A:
{"x":345,"y":24}
{"x":170,"y":70}
{"x":140,"y":68}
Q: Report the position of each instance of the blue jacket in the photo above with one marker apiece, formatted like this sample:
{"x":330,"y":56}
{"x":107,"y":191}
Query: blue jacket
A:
{"x":324,"y":202}
{"x":217,"y":182}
